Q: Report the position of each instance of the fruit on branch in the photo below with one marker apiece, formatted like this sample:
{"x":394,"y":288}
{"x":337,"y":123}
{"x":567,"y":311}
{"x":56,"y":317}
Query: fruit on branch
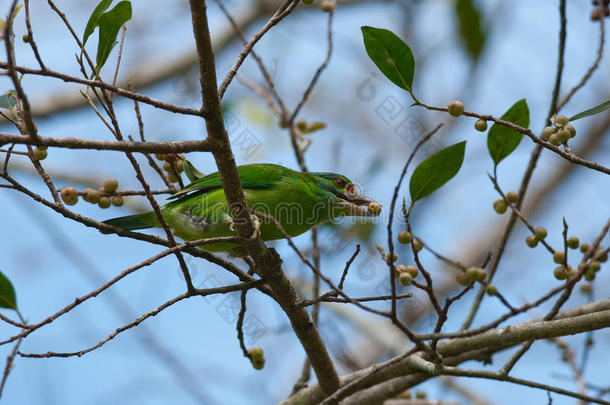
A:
{"x":296,"y":200}
{"x":257,"y":357}
{"x":560,"y":273}
{"x":512,"y":196}
{"x":491,"y":290}
{"x":405,"y":279}
{"x":405,"y":237}
{"x":540,"y":232}
{"x":559,"y":257}
{"x":104,"y":202}
{"x":69,"y":195}
{"x":531,"y":241}
{"x":480,"y":125}
{"x":111,"y":185}
{"x":573,"y":242}
{"x":417,"y":245}
{"x":561,"y":120}
{"x":92,"y":196}
{"x":40,"y":153}
{"x":117,"y":201}
{"x":500,"y":206}
{"x":455,"y":108}
{"x":547,"y":132}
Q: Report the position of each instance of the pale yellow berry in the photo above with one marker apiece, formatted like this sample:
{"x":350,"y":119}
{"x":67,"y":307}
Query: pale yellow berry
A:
{"x":111,"y":185}
{"x":480,"y":125}
{"x":117,"y":201}
{"x":69,"y":195}
{"x":374,"y":208}
{"x":547,"y":132}
{"x":561,"y":120}
{"x":455,"y":108}
{"x":540,"y":232}
{"x":405,"y":279}
{"x":327,"y":6}
{"x":92,"y":196}
{"x":512,"y":196}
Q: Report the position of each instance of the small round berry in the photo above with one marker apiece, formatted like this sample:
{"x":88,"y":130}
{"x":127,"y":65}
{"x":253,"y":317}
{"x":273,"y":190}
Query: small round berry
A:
{"x":594,"y":266}
{"x":417,"y":245}
{"x":586,"y":288}
{"x":571,"y":130}
{"x":554,"y":140}
{"x":412,"y":270}
{"x":500,"y":206}
{"x":25,"y":38}
{"x":40,"y":154}
{"x":540,"y":232}
{"x":559,"y":256}
{"x":160,"y":156}
{"x":327,"y":6}
{"x":560,"y":273}
{"x":111,"y":185}
{"x":481,"y":274}
{"x":595,"y":14}
{"x":472,"y":274}
{"x":391,"y":259}
{"x":455,"y":108}
{"x":462,"y":279}
{"x":584,"y":247}
{"x":180,"y":166}
{"x":563,"y":135}
{"x":405,"y":237}
{"x":405,"y":279}
{"x":480,"y":125}
{"x":561,"y":120}
{"x":531,"y":241}
{"x":374,"y":208}
{"x":573,"y":242}
{"x":167,"y":166}
{"x":172,"y":177}
{"x":256,"y":352}
{"x":301,"y":123}
{"x":104,"y":202}
{"x":491,"y":290}
{"x":547,"y":132}
{"x":92,"y":196}
{"x":589,"y":275}
{"x":69,"y":195}
{"x":117,"y":201}
{"x":512,"y":196}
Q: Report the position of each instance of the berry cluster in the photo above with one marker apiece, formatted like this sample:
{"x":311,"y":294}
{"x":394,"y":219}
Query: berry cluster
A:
{"x":173,"y":164}
{"x":560,"y":133}
{"x":103,"y":196}
{"x":500,"y":205}
{"x":406,"y":274}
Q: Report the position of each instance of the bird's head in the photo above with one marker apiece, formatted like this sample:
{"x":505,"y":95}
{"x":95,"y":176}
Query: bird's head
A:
{"x":343,"y":196}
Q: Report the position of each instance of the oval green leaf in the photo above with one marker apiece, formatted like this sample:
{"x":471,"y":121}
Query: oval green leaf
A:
{"x":501,"y":140}
{"x":94,"y":19}
{"x":110,"y":23}
{"x":592,"y":111}
{"x":435,"y":171}
{"x":191,"y":171}
{"x":391,"y":55}
{"x":7,"y":293}
{"x":7,"y":100}
{"x":470,"y":27}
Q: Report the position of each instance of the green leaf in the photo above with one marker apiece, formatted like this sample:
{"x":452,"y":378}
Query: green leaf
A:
{"x":7,"y":100}
{"x":110,"y":23}
{"x":94,"y":19}
{"x":191,"y":171}
{"x":7,"y":293}
{"x":469,"y":26}
{"x":501,"y":140}
{"x":592,"y":111}
{"x":391,"y":55}
{"x":436,"y":170}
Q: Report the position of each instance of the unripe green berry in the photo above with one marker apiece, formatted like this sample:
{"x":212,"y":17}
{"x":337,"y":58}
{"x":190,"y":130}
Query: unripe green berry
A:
{"x":480,"y":125}
{"x":491,"y":290}
{"x":462,"y":278}
{"x":584,"y":247}
{"x":563,"y":135}
{"x":405,"y":279}
{"x":111,"y":185}
{"x":374,"y":208}
{"x":561,"y":120}
{"x":586,"y":288}
{"x":573,"y":242}
{"x":472,"y":274}
{"x":411,"y":270}
{"x":69,"y":195}
{"x":257,"y":357}
{"x":167,"y":166}
{"x":392,"y":258}
{"x":571,"y":130}
{"x":512,"y":196}
{"x":308,"y":2}
{"x":180,"y":166}
{"x":560,"y":273}
{"x":92,"y":196}
{"x":117,"y":201}
{"x":405,"y":237}
{"x":104,"y":202}
{"x":455,"y":108}
{"x":160,"y":156}
{"x":500,"y":206}
{"x":589,"y":275}
{"x":559,"y":256}
{"x":172,"y":177}
{"x":481,"y":274}
{"x":547,"y":132}
{"x":540,"y":232}
{"x":25,"y":38}
{"x":531,"y":241}
{"x":40,"y":154}
{"x":553,"y":139}
{"x":301,"y":123}
{"x":594,"y":266}
{"x":417,"y":245}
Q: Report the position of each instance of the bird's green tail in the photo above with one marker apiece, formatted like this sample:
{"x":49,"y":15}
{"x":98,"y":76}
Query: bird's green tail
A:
{"x":133,"y":222}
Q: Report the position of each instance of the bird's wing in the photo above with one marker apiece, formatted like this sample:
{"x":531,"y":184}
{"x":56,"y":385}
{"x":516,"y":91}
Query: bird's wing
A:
{"x":254,"y":176}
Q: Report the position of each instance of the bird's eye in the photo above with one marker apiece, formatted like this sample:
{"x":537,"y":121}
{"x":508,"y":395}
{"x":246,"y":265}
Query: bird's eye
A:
{"x":339,"y":182}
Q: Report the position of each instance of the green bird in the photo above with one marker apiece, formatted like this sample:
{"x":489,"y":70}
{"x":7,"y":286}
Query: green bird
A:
{"x":296,"y":200}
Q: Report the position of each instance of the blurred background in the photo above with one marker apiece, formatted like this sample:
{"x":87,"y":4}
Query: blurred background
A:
{"x":489,"y":58}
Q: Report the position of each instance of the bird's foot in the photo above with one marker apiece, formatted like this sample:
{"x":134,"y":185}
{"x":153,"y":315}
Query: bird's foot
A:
{"x":255,"y":221}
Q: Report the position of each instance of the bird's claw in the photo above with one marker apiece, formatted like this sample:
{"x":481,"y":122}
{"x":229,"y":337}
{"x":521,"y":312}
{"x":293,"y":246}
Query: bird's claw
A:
{"x":255,"y":221}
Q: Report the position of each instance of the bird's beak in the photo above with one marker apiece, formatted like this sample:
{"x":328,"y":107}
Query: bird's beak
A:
{"x":356,"y":205}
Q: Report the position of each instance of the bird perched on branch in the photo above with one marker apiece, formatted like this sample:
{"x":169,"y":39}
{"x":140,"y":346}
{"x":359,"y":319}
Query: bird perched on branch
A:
{"x":297,"y":201}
